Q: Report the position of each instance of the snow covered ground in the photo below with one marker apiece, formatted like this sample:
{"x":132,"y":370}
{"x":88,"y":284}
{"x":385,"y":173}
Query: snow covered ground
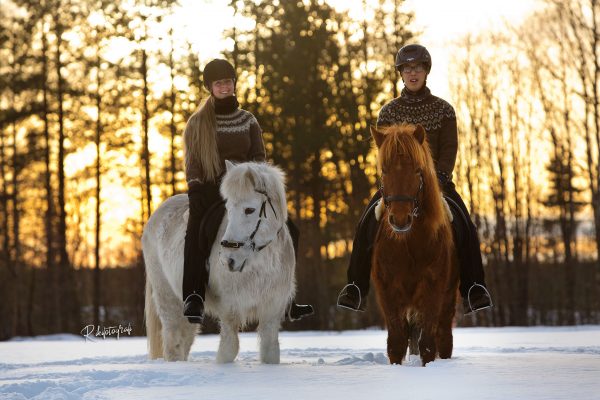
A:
{"x":488,"y":363}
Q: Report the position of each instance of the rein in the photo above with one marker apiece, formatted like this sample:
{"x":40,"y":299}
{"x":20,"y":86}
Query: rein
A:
{"x":387,"y":200}
{"x":250,"y":243}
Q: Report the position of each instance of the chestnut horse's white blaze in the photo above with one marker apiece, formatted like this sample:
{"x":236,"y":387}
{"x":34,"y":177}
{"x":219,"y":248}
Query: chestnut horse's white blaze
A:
{"x":251,"y":274}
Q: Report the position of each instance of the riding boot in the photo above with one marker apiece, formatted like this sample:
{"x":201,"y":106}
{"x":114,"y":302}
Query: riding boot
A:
{"x":294,"y":312}
{"x":353,"y":296}
{"x":195,"y":272}
{"x":472,"y":280}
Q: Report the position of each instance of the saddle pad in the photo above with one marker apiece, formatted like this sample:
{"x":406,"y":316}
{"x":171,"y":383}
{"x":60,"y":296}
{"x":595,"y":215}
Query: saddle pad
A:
{"x":447,"y":208}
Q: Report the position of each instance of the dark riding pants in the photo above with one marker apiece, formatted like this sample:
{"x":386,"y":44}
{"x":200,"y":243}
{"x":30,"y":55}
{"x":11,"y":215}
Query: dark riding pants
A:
{"x":195,"y":272}
{"x":200,"y":235}
{"x":465,"y":239}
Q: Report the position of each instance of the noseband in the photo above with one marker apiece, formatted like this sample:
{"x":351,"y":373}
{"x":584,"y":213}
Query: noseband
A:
{"x":250,"y":243}
{"x":387,"y":200}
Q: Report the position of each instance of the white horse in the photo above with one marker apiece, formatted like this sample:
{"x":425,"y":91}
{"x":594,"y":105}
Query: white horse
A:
{"x":252,"y":267}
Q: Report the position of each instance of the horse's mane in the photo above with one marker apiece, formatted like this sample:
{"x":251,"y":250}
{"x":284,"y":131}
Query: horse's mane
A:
{"x":399,"y":140}
{"x":242,"y":180}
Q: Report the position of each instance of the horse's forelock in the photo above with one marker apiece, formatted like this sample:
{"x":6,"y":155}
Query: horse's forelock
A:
{"x":244,"y":179}
{"x":237,"y":183}
{"x":399,"y":140}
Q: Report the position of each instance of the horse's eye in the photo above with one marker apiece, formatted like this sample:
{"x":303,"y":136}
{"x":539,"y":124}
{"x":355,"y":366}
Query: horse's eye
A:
{"x":249,"y":211}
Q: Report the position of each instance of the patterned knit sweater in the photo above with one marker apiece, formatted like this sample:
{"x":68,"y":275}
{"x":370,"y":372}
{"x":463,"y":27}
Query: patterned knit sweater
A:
{"x":435,"y":115}
{"x":239,"y":139}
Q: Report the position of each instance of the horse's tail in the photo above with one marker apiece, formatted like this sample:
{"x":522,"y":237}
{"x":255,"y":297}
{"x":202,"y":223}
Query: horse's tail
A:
{"x":153,"y":325}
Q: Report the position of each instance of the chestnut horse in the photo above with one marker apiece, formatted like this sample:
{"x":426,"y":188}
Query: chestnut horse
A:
{"x":415,"y":269}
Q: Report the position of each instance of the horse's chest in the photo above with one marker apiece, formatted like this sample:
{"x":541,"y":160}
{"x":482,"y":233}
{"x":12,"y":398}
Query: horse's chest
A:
{"x":400,"y":266}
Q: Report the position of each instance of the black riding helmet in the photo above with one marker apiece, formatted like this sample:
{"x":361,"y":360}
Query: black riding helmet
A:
{"x":216,"y":70}
{"x":413,"y":53}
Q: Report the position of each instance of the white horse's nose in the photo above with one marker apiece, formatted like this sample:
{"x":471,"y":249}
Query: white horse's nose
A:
{"x":233,"y":265}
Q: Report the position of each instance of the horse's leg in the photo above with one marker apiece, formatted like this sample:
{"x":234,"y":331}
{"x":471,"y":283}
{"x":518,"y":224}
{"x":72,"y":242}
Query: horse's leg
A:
{"x":429,"y":323}
{"x":414,"y":332}
{"x":397,"y":340}
{"x":178,"y":336}
{"x":427,"y":346}
{"x":189,"y":334}
{"x":153,"y":324}
{"x":395,"y":320}
{"x":177,"y":333}
{"x":444,"y":332}
{"x":229,"y":345}
{"x":268,"y":334}
{"x":444,"y":338}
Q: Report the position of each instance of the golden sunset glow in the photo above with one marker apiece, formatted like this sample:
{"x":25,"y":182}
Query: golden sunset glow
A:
{"x":203,"y":25}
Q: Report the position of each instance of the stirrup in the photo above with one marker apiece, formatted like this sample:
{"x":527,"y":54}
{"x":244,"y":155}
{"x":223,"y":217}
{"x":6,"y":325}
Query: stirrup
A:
{"x":191,"y":296}
{"x":344,"y":291}
{"x":487,"y":293}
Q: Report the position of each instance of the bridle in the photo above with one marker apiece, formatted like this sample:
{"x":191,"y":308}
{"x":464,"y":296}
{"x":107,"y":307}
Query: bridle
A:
{"x":387,"y":200}
{"x":250,"y":243}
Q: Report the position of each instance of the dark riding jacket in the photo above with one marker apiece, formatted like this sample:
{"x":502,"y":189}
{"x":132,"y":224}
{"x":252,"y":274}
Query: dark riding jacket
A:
{"x":435,"y":115}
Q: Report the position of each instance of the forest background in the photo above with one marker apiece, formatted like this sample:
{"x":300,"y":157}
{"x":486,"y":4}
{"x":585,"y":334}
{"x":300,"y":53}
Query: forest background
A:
{"x":95,"y":94}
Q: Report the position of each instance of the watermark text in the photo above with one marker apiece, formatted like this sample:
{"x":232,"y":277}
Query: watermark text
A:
{"x":93,"y":332}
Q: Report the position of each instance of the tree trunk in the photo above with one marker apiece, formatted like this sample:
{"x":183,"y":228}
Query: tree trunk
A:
{"x":69,"y":313}
{"x":5,"y":239}
{"x":51,"y":290}
{"x":16,"y":232}
{"x":596,"y":146}
{"x":172,"y":125}
{"x":145,"y":131}
{"x":98,"y":142}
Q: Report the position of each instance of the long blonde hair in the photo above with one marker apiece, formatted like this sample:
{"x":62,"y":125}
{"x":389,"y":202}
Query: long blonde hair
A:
{"x":200,"y":138}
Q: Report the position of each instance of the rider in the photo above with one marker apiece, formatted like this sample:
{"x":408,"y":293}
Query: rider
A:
{"x":218,"y":131}
{"x":416,"y":105}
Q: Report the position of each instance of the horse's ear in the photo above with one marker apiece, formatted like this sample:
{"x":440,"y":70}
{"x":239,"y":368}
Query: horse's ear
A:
{"x":377,"y":136}
{"x":419,"y":134}
{"x":250,"y":177}
{"x":228,"y":165}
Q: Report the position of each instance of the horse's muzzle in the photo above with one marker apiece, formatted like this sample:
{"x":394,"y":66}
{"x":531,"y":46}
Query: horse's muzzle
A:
{"x":400,"y":229}
{"x":231,"y":265}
